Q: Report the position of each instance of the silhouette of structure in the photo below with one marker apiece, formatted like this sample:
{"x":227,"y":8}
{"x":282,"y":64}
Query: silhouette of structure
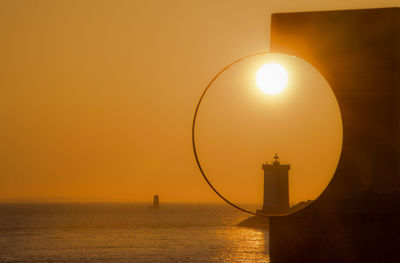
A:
{"x":156,"y":202}
{"x":276,"y":187}
{"x":357,"y":217}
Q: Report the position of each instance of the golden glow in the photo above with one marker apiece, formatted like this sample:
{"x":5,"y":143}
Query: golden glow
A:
{"x":79,"y":105}
{"x":303,"y":124}
{"x":272,"y":78}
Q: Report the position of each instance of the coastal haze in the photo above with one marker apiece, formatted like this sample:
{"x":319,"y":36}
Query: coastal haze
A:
{"x":97,"y":97}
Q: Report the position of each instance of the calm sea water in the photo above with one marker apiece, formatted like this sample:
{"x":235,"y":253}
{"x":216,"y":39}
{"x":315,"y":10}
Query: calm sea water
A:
{"x":127,"y":233}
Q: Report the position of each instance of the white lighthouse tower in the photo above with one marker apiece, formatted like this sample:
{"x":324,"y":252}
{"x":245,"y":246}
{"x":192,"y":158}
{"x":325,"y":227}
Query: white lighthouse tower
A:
{"x":276,"y":187}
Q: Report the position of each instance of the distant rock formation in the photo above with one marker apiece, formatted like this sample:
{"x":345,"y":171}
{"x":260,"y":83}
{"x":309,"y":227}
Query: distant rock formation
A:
{"x":263,"y":221}
{"x":255,"y":222}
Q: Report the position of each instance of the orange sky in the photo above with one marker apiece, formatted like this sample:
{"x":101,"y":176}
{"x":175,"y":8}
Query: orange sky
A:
{"x":96,"y":97}
{"x":240,"y":127}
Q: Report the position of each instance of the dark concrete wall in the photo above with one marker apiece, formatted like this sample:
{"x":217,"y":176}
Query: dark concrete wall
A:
{"x":357,"y":218}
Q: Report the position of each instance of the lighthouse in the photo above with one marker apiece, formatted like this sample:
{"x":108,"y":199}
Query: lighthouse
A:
{"x":276,"y":187}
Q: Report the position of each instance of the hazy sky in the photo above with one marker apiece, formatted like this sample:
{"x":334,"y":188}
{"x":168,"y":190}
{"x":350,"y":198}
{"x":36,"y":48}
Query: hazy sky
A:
{"x":97,"y":97}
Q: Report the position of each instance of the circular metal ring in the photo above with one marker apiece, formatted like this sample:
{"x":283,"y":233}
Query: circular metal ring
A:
{"x":194,"y":128}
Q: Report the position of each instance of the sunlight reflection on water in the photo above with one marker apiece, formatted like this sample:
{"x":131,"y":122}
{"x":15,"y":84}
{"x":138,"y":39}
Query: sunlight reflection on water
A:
{"x":246,"y":245}
{"x":127,"y":233}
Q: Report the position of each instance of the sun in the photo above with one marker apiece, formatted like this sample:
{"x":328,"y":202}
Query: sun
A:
{"x":272,"y":78}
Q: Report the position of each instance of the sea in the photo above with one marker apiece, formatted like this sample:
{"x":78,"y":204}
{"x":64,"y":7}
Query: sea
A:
{"x":128,"y":233}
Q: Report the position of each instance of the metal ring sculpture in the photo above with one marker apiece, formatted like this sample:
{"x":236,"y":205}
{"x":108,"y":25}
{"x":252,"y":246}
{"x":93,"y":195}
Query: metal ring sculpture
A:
{"x":194,"y":129}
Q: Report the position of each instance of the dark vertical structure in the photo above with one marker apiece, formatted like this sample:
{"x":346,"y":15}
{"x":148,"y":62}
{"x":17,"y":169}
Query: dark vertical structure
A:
{"x":276,"y":187}
{"x":357,"y":218}
{"x":156,"y":202}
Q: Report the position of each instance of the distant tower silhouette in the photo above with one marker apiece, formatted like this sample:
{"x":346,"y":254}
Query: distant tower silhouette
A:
{"x":156,"y":202}
{"x":276,"y":187}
